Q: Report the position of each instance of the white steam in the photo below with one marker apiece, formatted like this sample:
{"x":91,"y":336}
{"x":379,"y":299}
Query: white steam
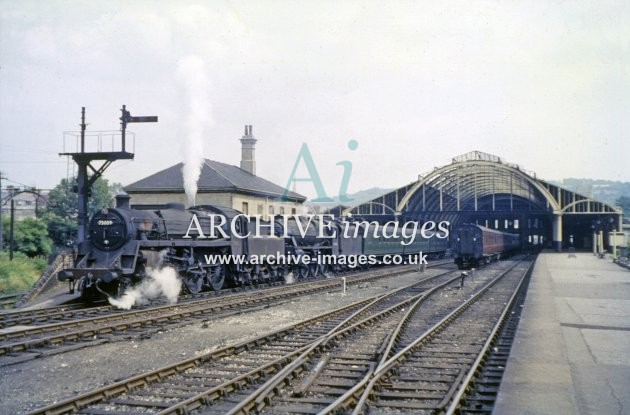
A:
{"x":159,"y":282}
{"x":191,"y":76}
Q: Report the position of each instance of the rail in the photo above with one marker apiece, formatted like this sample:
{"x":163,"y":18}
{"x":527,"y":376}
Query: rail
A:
{"x":361,"y":391}
{"x":494,"y":334}
{"x":9,"y":300}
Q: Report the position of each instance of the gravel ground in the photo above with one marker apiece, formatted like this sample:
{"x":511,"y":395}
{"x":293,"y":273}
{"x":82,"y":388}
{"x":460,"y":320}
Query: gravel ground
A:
{"x":39,"y":382}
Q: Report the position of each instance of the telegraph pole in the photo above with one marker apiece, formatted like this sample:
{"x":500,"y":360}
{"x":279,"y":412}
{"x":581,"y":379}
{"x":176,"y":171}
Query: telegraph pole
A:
{"x":1,"y":247}
{"x":11,"y":231}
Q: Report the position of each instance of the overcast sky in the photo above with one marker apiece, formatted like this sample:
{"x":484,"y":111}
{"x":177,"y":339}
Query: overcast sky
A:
{"x":543,"y":84}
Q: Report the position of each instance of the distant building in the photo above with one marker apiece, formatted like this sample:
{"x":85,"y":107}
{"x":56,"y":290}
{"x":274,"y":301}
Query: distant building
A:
{"x":26,"y":202}
{"x":219,"y":184}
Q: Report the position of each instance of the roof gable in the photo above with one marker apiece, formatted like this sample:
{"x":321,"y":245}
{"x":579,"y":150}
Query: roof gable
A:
{"x":215,"y":176}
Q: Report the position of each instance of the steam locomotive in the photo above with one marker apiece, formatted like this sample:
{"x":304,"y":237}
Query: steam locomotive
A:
{"x":124,"y":244}
{"x":474,"y":245}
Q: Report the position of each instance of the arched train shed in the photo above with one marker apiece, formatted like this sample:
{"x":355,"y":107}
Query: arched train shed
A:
{"x":482,"y":188}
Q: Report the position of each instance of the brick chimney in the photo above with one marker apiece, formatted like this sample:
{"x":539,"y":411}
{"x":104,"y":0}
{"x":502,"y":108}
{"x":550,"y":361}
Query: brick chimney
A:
{"x":248,"y":151}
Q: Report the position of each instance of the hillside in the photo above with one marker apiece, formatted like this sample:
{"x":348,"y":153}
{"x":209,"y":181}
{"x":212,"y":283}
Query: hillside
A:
{"x":358,"y":198}
{"x":607,"y":191}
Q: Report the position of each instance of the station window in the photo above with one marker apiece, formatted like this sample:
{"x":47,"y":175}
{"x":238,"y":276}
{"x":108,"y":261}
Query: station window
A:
{"x":271,"y":210}
{"x":293,"y":211}
{"x":245,"y":208}
{"x":282,"y":210}
{"x":260,"y":209}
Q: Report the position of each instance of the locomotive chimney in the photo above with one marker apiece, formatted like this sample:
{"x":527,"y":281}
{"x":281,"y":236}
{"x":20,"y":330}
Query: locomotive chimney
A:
{"x":122,"y":201}
{"x":248,"y":151}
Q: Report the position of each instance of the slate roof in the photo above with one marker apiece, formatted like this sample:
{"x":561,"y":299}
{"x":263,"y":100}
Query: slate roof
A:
{"x":214,"y":177}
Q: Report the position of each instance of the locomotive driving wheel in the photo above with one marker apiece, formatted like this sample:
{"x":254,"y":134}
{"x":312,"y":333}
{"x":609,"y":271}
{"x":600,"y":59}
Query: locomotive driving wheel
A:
{"x":193,"y":282}
{"x":216,"y":277}
{"x":313,"y":270}
{"x":326,"y":270}
{"x":301,"y":272}
{"x":280,"y":273}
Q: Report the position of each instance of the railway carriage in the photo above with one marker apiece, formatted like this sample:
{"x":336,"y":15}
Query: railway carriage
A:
{"x":434,"y":245}
{"x":474,"y":245}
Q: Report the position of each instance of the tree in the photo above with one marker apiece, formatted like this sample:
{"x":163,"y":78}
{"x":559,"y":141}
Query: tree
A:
{"x":63,"y":200}
{"x":62,"y":231}
{"x":31,"y":238}
{"x":624,"y":203}
{"x":63,"y":206}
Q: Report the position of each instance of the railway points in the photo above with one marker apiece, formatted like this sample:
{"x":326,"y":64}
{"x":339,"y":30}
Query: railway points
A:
{"x":163,"y":398}
{"x":575,"y":304}
{"x":102,"y":364}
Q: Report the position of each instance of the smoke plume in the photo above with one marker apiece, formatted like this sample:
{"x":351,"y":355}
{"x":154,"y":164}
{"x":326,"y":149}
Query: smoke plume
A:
{"x":191,"y":76}
{"x":159,"y":282}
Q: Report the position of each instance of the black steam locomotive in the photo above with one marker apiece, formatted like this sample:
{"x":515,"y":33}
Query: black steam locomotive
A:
{"x":123,"y":244}
{"x":474,"y":245}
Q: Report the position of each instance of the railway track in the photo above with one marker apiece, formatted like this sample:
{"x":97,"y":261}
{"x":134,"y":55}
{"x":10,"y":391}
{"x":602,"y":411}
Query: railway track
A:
{"x":190,"y":383}
{"x":73,"y":311}
{"x":479,"y":390}
{"x":225,"y":376}
{"x":432,"y":373}
{"x":25,"y":343}
{"x":76,"y":310}
{"x":344,"y":363}
{"x":8,"y":300}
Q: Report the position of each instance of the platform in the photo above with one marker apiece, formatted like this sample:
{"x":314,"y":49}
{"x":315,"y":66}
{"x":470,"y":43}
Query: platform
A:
{"x":571,"y":354}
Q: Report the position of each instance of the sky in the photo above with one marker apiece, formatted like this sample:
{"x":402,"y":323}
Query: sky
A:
{"x":544,"y":84}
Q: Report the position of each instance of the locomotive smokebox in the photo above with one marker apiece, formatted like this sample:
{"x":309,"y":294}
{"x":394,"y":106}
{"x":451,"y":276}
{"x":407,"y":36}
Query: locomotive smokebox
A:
{"x":122,"y":201}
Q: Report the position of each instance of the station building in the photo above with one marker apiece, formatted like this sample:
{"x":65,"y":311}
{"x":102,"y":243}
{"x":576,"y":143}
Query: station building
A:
{"x":219,"y":184}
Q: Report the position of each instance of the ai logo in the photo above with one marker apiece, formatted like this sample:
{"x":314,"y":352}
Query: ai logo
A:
{"x":313,"y":175}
